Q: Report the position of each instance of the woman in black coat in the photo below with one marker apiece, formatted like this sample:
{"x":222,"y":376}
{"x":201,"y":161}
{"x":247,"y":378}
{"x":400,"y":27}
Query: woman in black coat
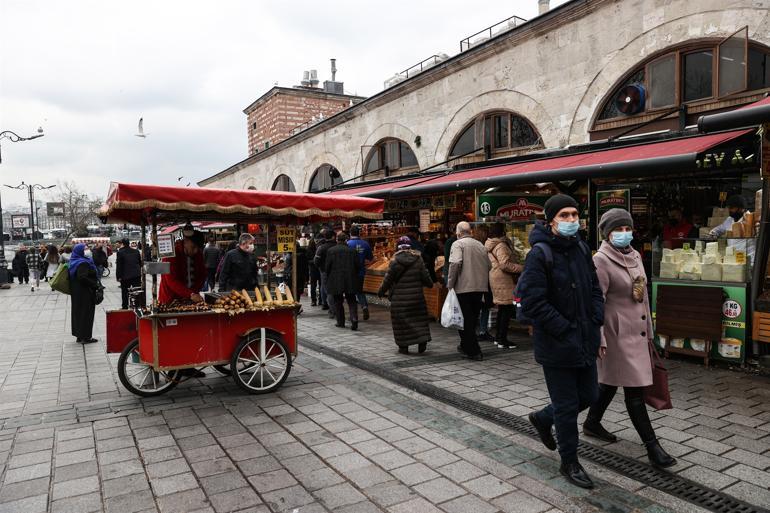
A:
{"x":19,"y":265}
{"x":405,"y":279}
{"x":83,"y":286}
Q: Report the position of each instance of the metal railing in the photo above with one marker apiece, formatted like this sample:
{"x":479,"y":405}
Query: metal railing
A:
{"x":490,"y":32}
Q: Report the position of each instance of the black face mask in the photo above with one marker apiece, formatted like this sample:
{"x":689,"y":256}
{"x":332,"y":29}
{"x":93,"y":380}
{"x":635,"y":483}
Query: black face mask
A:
{"x":736,"y":215}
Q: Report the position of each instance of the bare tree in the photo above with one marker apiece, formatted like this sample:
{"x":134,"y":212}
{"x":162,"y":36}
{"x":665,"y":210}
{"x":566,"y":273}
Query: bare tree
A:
{"x":79,"y":208}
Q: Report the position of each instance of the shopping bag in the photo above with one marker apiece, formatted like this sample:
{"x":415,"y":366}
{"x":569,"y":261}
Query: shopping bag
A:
{"x":451,"y":314}
{"x":60,"y":281}
{"x":657,"y":395}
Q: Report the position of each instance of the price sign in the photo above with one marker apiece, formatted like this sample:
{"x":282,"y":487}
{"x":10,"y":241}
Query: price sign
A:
{"x":286,"y":238}
{"x":166,"y":246}
{"x":740,"y":257}
{"x":424,"y":220}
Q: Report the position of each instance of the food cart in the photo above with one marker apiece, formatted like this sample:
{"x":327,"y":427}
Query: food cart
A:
{"x":250,"y":335}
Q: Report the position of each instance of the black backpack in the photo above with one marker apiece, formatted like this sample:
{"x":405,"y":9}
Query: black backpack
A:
{"x":548,"y":255}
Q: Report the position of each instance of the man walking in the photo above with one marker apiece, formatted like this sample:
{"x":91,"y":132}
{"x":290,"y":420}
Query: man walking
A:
{"x":364,"y":252}
{"x":239,"y":268}
{"x":34,"y":262}
{"x":342,"y":269}
{"x":211,"y":256}
{"x":128,"y":270}
{"x":469,"y":278}
{"x":326,"y":299}
{"x":560,"y":293}
{"x":99,"y":256}
{"x":313,"y":272}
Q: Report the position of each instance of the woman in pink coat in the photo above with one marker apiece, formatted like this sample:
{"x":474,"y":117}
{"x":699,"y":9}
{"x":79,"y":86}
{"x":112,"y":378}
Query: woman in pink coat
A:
{"x":624,"y":359}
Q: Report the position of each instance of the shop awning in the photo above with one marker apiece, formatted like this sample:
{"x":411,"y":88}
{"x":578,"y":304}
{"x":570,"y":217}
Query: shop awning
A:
{"x":631,"y":160}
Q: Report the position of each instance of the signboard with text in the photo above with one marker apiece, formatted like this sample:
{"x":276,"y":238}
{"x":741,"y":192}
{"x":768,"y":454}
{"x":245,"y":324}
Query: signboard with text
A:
{"x":20,"y":222}
{"x":441,"y":201}
{"x":286,"y":239}
{"x":510,"y":207}
{"x":609,"y":199}
{"x":55,"y":209}
{"x":166,"y":246}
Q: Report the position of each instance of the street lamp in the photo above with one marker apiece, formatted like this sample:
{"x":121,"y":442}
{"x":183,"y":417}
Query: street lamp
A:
{"x":13,"y":137}
{"x":31,"y":191}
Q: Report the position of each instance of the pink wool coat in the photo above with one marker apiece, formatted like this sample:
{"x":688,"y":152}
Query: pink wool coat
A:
{"x":627,"y":325}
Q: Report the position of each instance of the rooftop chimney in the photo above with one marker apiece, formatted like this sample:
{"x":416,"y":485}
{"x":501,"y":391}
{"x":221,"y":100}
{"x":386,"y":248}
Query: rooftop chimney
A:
{"x":334,"y":69}
{"x":313,"y":78}
{"x":543,"y":6}
{"x":305,"y":79}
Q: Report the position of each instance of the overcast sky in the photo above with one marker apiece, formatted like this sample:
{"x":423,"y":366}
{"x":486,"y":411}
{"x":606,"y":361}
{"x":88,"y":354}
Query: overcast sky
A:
{"x":85,"y":71}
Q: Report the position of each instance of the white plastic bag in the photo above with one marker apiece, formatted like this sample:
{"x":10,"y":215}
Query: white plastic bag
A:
{"x":451,"y":314}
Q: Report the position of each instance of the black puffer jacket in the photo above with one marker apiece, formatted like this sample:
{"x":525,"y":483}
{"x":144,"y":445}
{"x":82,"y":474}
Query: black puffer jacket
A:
{"x":342,"y":269}
{"x":404,"y":281}
{"x":567,"y":309}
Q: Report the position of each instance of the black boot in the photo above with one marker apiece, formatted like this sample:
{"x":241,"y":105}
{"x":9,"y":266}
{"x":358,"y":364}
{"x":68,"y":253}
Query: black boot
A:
{"x":576,"y":474}
{"x":593,"y":423}
{"x":637,"y":410}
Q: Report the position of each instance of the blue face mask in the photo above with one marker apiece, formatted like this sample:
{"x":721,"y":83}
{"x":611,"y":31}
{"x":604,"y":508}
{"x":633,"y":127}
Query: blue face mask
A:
{"x":568,"y":228}
{"x":621,"y":239}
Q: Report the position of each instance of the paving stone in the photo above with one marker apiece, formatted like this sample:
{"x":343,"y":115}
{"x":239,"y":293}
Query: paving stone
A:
{"x":370,"y":475}
{"x":71,"y":458}
{"x":80,"y":504}
{"x":212,"y":467}
{"x":340,"y":495}
{"x":467,"y":504}
{"x":163,"y":454}
{"x":223,"y":482}
{"x":320,"y":478}
{"x":520,"y":502}
{"x":418,"y":505}
{"x":750,"y":493}
{"x":488,"y":487}
{"x":750,"y":475}
{"x":75,"y":487}
{"x":123,"y":485}
{"x":460,"y":471}
{"x":436,"y":457}
{"x":237,"y":500}
{"x":30,"y":458}
{"x":36,"y":504}
{"x":439,"y":490}
{"x":414,"y":474}
{"x":287,"y":498}
{"x":708,"y":477}
{"x":183,"y":502}
{"x":24,"y":489}
{"x":392,"y":459}
{"x":259,"y":465}
{"x":77,"y":470}
{"x":270,"y":481}
{"x":389,"y":493}
{"x":16,"y":475}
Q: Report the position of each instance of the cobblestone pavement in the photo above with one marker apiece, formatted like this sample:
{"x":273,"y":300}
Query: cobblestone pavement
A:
{"x":333,"y":438}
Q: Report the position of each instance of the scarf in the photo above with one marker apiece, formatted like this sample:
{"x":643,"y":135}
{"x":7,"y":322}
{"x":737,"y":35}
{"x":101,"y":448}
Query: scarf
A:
{"x":77,"y":258}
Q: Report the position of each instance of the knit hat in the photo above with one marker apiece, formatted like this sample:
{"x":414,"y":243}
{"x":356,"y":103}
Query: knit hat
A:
{"x":404,"y":243}
{"x":614,"y":218}
{"x":556,"y":203}
{"x":736,"y":201}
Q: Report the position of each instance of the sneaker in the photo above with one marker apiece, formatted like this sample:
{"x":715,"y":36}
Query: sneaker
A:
{"x":421,"y":348}
{"x":33,"y":289}
{"x":354,"y":325}
{"x":505,"y":344}
{"x":366,"y":314}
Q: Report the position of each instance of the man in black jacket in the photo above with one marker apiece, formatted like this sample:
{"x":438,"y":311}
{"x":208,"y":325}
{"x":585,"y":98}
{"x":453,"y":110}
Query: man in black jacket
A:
{"x":560,"y":293}
{"x":342,"y":267}
{"x":99,"y":255}
{"x":320,"y":262}
{"x":211,"y":256}
{"x":128,"y":270}
{"x":239,"y":269}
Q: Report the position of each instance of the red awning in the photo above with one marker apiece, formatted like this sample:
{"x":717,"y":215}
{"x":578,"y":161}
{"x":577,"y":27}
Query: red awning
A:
{"x":127,"y":202}
{"x":532,"y":171}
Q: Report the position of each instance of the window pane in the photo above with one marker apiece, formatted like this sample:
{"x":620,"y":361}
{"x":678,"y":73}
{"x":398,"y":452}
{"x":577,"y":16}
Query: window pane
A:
{"x":732,"y":64}
{"x":408,"y":159}
{"x":759,"y":69}
{"x":662,"y":82}
{"x":465,"y":143}
{"x":391,"y":155}
{"x":373,"y":164}
{"x":334,"y":176}
{"x":487,"y":132}
{"x":698,"y":75}
{"x":501,"y":131}
{"x":611,"y":109}
{"x":522,"y":133}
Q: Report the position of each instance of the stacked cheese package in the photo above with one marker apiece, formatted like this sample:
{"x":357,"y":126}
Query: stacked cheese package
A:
{"x":705,"y":262}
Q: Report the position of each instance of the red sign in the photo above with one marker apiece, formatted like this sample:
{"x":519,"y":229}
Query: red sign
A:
{"x":522,"y":210}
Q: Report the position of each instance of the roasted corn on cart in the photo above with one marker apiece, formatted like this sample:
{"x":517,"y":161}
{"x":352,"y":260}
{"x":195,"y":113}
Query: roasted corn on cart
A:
{"x":251,"y":335}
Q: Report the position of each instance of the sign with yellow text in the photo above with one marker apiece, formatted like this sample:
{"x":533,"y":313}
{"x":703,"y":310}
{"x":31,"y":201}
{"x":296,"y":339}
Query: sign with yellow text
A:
{"x":286,"y":238}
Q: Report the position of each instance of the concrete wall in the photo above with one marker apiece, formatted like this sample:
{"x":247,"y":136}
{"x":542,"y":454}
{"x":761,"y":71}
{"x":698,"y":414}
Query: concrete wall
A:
{"x":554,"y":71}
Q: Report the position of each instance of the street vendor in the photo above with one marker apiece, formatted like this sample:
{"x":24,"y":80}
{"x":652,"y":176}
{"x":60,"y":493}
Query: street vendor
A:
{"x":187,"y":274}
{"x":737,"y":208}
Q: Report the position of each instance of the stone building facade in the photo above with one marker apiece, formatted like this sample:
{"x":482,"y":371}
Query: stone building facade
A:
{"x":556,"y":72}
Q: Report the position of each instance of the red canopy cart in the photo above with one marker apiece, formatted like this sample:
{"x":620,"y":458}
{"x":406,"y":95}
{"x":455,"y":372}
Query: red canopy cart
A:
{"x":256,"y":345}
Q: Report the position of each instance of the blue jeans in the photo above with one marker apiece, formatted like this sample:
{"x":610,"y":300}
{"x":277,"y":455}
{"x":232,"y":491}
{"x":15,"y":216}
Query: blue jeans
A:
{"x":572,"y":390}
{"x":360,"y":296}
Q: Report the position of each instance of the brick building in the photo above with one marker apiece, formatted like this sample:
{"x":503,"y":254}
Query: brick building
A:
{"x":283,"y":111}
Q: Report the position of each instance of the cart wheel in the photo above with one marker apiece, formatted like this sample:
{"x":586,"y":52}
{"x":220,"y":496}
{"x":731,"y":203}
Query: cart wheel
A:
{"x":139,"y":378}
{"x":262,"y":361}
{"x":223,"y":369}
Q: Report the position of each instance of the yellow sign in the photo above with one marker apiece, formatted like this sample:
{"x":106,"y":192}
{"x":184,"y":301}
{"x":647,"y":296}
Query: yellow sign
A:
{"x":740,"y":257}
{"x":286,"y":238}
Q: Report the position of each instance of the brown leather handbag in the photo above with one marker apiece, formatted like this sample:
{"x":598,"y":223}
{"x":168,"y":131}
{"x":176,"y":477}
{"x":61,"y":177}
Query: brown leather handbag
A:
{"x":657,"y":395}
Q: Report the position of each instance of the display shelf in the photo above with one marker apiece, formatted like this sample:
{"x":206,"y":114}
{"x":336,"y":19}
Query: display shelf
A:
{"x":690,"y":352}
{"x":761,"y":327}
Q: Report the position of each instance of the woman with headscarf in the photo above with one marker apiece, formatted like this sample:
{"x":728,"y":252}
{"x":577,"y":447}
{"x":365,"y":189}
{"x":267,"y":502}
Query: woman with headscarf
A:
{"x":53,"y":260}
{"x":83,"y":286}
{"x":404,"y":282}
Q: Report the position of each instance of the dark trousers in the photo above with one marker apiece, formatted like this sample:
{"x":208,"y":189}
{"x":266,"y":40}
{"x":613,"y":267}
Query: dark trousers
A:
{"x":23,"y":276}
{"x":339,"y":307}
{"x":124,"y":285}
{"x":504,"y":314}
{"x":637,"y":410}
{"x":315,"y":281}
{"x":211,"y":278}
{"x":325,"y":297}
{"x":470,"y":304}
{"x":572,"y":390}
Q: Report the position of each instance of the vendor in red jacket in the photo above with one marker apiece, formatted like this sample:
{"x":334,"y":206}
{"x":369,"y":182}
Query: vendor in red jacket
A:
{"x":187,"y":274}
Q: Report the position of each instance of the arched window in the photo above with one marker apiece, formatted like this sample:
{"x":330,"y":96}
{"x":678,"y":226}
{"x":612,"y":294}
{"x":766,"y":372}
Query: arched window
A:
{"x":283,"y":183}
{"x":251,"y":188}
{"x":390,"y":155}
{"x":324,"y":177}
{"x":502,"y":131}
{"x":693,"y":72}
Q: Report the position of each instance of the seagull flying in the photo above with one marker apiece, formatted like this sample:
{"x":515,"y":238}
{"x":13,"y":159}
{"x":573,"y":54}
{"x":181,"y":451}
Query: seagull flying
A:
{"x":141,"y":129}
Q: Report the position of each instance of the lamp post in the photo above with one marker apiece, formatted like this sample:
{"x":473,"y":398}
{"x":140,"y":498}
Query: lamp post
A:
{"x":13,"y":137}
{"x":31,"y":192}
